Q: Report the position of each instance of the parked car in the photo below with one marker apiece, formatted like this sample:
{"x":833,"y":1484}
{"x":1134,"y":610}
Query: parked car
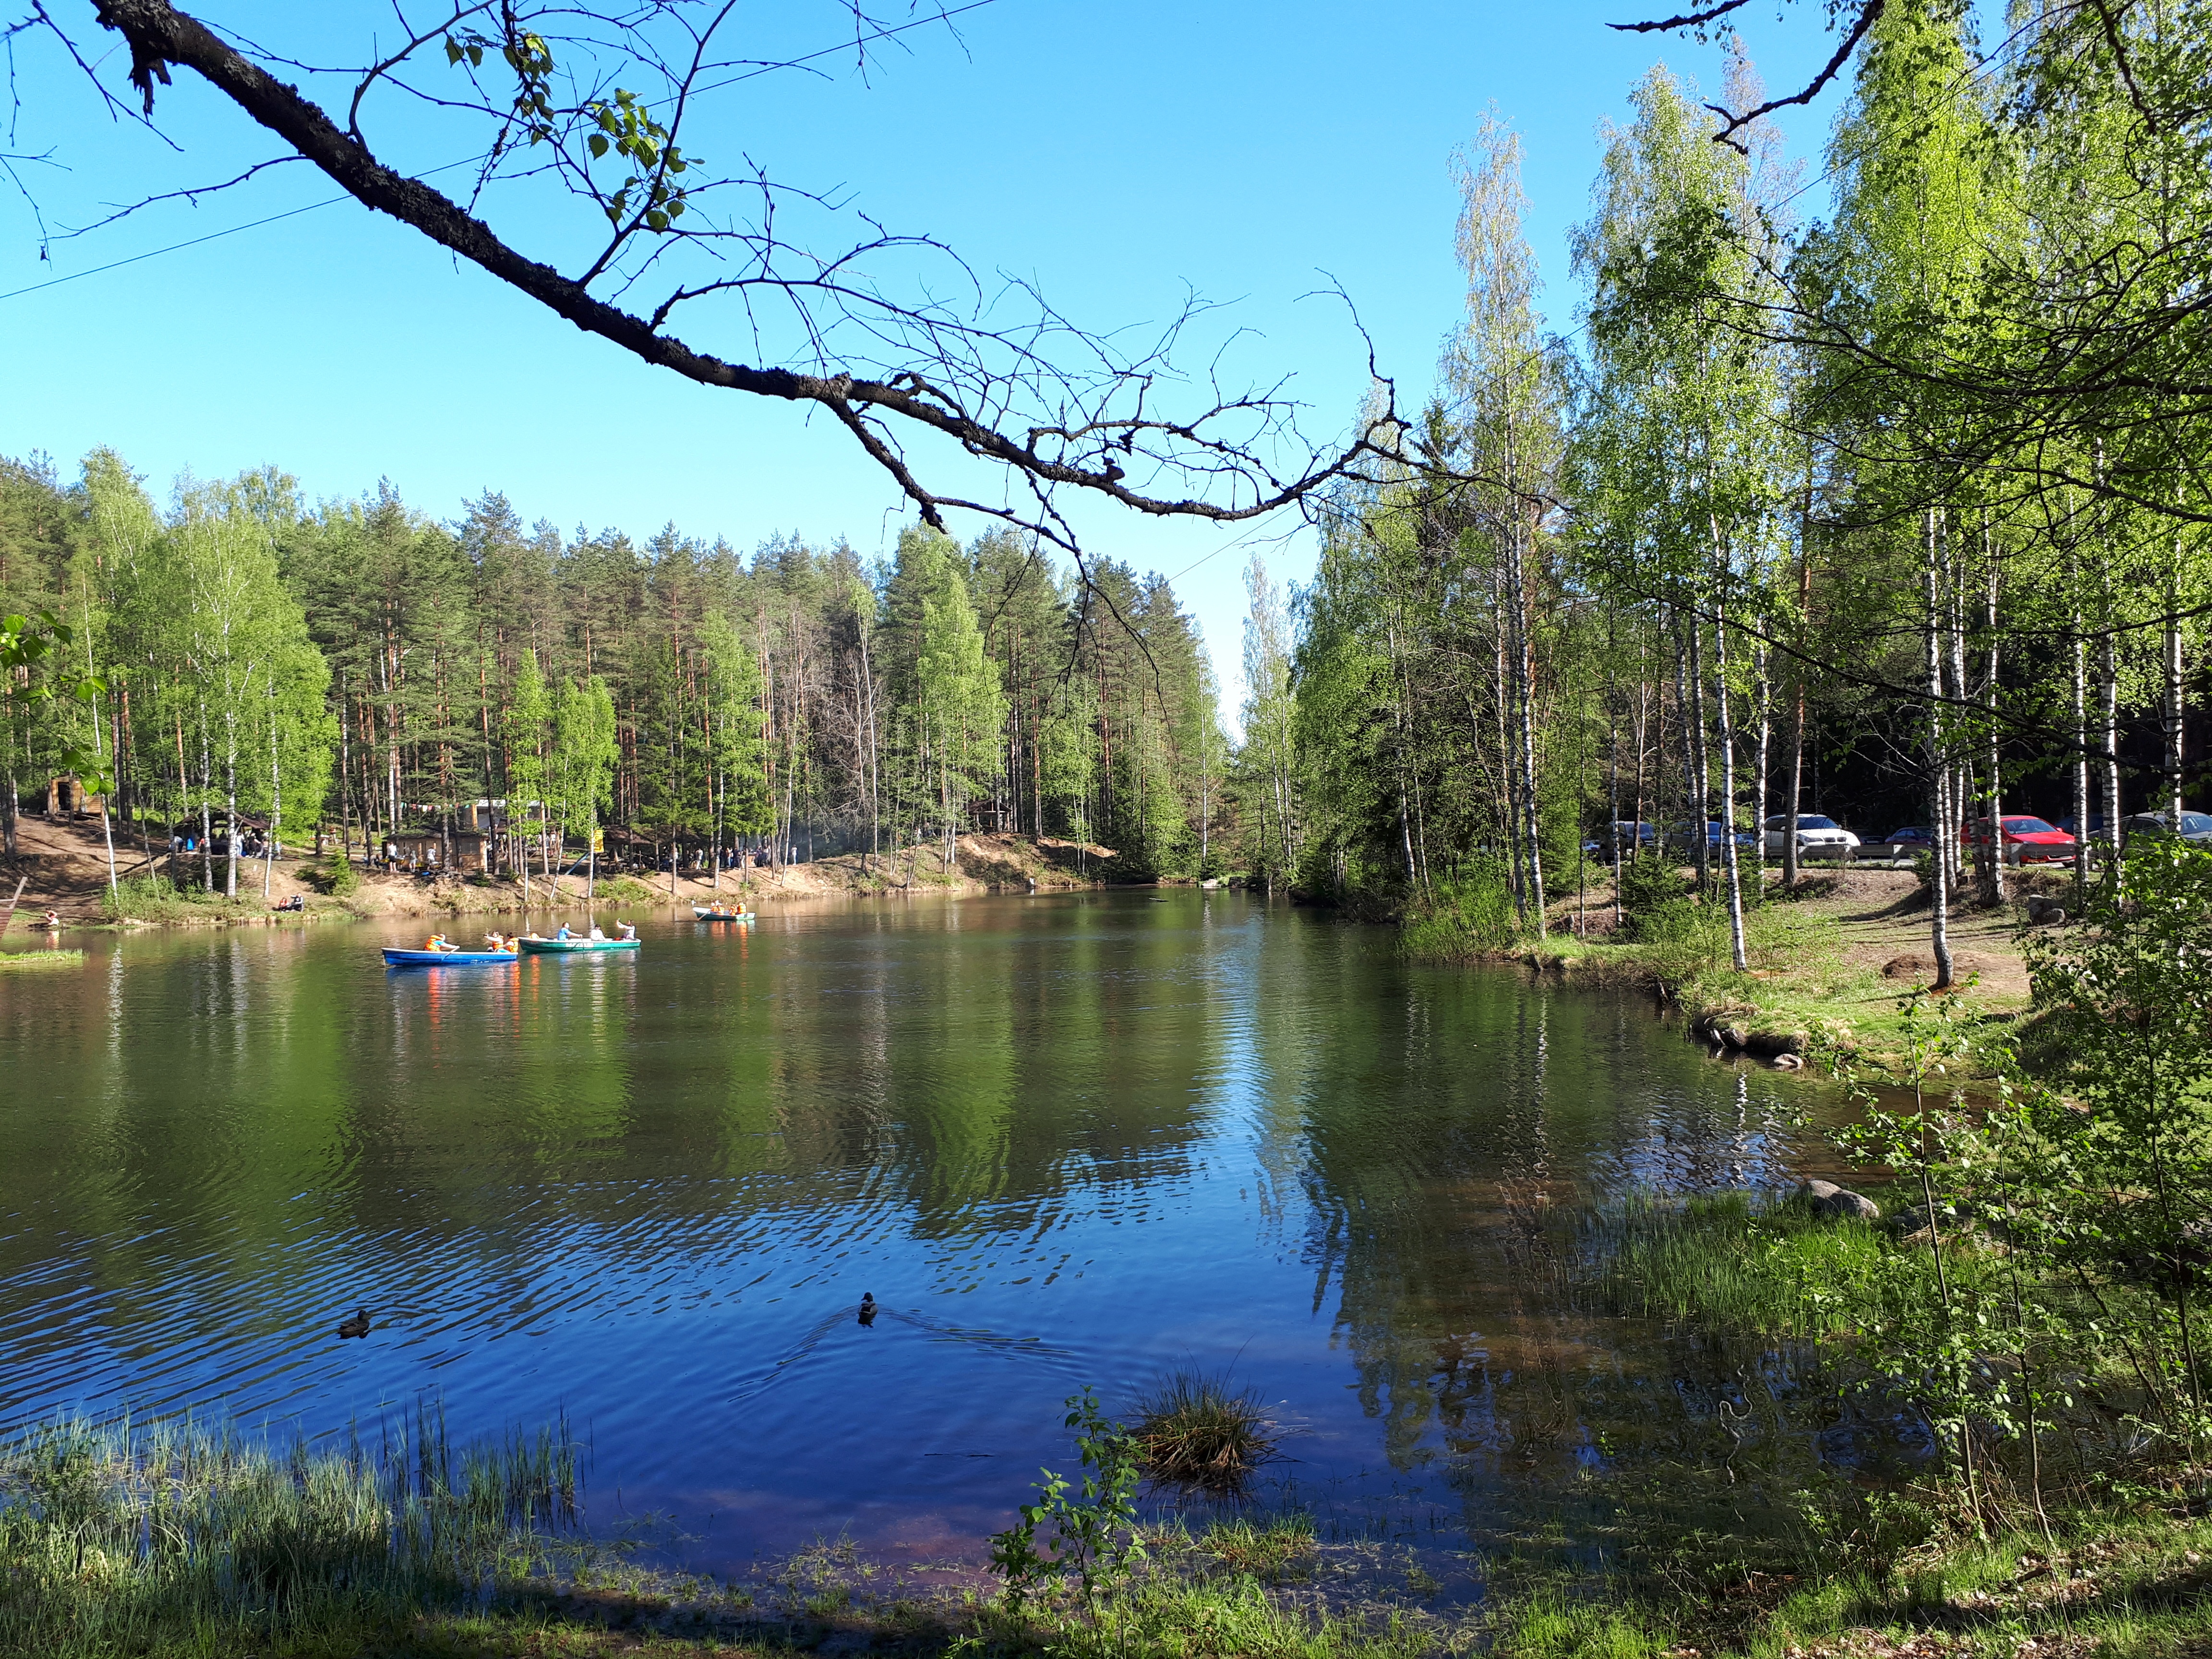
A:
{"x":2025,"y":839}
{"x":1630,"y":836}
{"x":1817,"y":837}
{"x":2195,"y":828}
{"x":1682,"y":837}
{"x":1910,"y":842}
{"x":2096,"y":826}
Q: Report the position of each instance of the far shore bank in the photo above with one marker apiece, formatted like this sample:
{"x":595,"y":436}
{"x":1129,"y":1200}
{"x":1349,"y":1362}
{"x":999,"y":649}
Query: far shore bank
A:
{"x":66,"y":864}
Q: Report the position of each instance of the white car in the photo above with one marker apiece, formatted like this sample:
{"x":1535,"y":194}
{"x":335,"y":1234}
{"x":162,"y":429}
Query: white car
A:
{"x":1817,"y":837}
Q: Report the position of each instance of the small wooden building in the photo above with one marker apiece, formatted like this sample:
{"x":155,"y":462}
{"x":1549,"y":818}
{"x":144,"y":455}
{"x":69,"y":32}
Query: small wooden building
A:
{"x":426,"y":850}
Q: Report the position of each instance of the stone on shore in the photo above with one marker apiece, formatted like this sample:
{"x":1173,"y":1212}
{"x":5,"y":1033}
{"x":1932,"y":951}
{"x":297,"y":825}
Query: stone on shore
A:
{"x":1833,"y":1203}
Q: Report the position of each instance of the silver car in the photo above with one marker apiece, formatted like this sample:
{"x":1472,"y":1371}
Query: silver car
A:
{"x":1817,"y":837}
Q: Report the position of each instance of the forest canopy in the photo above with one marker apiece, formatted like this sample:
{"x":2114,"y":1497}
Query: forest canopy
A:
{"x":362,"y":665}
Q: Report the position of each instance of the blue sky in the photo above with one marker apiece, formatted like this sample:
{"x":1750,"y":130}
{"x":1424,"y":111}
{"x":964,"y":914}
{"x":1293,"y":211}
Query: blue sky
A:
{"x":1115,"y":157}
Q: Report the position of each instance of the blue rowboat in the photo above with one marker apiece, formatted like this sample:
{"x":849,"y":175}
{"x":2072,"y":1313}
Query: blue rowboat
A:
{"x":445,"y":958}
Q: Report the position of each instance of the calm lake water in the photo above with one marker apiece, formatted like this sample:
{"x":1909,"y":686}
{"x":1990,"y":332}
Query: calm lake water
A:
{"x":1063,"y":1140}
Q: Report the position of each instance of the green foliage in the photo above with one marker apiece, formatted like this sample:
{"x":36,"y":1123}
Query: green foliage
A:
{"x":151,"y":897}
{"x":1090,"y":1533}
{"x":1726,"y":1265}
{"x":33,"y":671}
{"x":1467,"y":919}
{"x":1651,"y":885}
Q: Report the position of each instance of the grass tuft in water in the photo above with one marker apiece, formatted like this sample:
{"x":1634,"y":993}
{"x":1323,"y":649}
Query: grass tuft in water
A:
{"x":1199,"y":1431}
{"x":26,"y":962}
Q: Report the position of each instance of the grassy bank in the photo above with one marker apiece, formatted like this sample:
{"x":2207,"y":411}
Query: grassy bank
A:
{"x":1828,"y":961}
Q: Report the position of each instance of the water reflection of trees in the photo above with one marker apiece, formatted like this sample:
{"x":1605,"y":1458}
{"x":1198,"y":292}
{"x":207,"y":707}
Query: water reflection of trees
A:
{"x":250,"y":1110}
{"x":1450,"y":1132}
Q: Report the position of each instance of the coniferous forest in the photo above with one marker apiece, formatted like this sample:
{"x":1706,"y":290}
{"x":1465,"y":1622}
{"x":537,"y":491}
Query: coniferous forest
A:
{"x":364,"y":668}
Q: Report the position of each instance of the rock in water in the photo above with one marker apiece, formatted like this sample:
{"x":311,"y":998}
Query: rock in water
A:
{"x":1833,"y":1203}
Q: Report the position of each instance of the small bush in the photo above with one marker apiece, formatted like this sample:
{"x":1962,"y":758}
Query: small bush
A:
{"x":338,"y":877}
{"x":1197,"y":1429}
{"x":1649,"y":883}
{"x":626,"y":889}
{"x":153,"y":897}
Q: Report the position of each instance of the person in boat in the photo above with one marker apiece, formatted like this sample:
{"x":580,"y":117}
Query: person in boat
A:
{"x":596,"y":934}
{"x":438,"y":942}
{"x":628,"y":929}
{"x":51,"y":921}
{"x":564,"y":932}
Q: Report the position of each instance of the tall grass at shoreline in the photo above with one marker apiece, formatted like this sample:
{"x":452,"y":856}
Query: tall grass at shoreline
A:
{"x":119,"y":1538}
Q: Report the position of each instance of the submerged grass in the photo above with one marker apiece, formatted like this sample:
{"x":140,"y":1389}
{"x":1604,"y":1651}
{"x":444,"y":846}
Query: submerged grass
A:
{"x":29,"y":962}
{"x":1724,"y":1264}
{"x":1200,"y":1430}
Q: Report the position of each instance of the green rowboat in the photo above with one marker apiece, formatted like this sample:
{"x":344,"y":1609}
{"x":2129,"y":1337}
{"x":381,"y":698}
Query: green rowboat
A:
{"x":575,"y":946}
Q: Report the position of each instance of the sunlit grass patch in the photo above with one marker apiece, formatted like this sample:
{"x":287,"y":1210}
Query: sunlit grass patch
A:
{"x":1561,"y":1627}
{"x":1198,"y":1430}
{"x":1281,"y":1547}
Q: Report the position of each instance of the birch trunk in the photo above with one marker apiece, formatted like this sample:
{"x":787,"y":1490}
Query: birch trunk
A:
{"x":1724,"y":734}
{"x":1524,"y":696}
{"x":276,"y":808}
{"x":1939,"y":888}
{"x":1995,"y":895}
{"x":230,"y":793}
{"x":207,"y":787}
{"x":1701,"y":765}
{"x":2175,"y":685}
{"x":1765,"y":695}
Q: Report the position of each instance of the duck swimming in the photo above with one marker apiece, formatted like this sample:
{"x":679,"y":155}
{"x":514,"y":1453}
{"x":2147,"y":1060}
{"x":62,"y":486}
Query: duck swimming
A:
{"x":867,"y":1307}
{"x":358,"y":1325}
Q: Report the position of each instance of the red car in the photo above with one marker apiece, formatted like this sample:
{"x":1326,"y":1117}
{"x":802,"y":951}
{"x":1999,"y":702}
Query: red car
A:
{"x":2026,"y":841}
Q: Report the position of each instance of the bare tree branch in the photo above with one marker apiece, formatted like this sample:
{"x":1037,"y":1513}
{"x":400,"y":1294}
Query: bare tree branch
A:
{"x":1058,"y":406}
{"x":1688,"y":19}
